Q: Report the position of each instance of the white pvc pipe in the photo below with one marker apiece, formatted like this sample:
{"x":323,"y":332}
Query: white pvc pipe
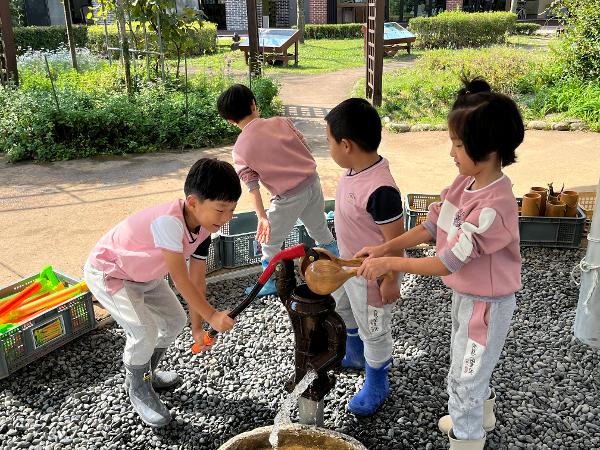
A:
{"x":587,"y":317}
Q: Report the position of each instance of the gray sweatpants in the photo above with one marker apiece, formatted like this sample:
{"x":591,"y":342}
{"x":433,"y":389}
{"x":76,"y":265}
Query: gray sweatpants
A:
{"x":479,"y":330}
{"x":359,"y":305}
{"x":150,"y":313}
{"x":307,"y":205}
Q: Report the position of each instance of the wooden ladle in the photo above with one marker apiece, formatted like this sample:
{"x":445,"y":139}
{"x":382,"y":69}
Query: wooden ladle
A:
{"x":325,"y":255}
{"x":324,"y":276}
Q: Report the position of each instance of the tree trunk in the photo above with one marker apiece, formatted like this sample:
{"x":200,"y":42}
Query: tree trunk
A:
{"x":70,"y":37}
{"x":8,"y":45}
{"x":513,"y":6}
{"x":300,"y":10}
{"x":120,"y":13}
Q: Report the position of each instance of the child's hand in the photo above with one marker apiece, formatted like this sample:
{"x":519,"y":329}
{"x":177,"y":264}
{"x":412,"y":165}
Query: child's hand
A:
{"x":263,"y":230}
{"x":389,"y":291}
{"x":374,"y":252}
{"x":220,"y":321}
{"x":373,"y":268}
{"x":202,"y":341}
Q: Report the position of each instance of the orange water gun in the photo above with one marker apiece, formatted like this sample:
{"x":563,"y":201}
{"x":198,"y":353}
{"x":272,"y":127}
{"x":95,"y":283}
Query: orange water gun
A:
{"x":46,"y":282}
{"x":34,"y":307}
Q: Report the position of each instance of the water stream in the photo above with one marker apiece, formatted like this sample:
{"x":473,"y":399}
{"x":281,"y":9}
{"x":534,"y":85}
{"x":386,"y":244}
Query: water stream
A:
{"x":283,"y":416}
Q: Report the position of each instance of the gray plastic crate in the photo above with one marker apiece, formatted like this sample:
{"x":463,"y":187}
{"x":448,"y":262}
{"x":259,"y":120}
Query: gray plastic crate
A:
{"x":239,"y":248}
{"x":416,"y":207}
{"x":563,"y":232}
{"x":27,"y":342}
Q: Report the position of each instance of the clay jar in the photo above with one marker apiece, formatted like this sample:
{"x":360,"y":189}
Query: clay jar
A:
{"x":570,"y":198}
{"x":530,"y":205}
{"x":555,"y":208}
{"x":544,"y":194}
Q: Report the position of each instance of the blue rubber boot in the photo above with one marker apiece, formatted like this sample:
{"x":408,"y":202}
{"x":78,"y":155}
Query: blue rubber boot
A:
{"x":374,"y":392}
{"x":355,"y":356}
{"x":332,"y":247}
{"x":269,"y":287}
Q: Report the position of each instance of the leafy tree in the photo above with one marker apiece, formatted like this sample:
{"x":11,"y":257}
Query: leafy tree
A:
{"x":178,"y":30}
{"x":581,"y":44}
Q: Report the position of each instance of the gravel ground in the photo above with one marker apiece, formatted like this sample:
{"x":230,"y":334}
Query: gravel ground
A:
{"x":547,"y":383}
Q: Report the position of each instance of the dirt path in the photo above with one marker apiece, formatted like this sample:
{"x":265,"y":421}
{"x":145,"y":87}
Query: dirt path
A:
{"x":54,"y":213}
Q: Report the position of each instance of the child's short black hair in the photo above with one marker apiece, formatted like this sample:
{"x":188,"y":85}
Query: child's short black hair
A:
{"x":357,"y":120}
{"x":211,"y":179}
{"x":235,"y":103}
{"x":486,"y":122}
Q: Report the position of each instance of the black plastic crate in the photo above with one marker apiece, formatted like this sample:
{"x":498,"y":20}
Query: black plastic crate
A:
{"x":214,"y":261}
{"x":305,"y":238}
{"x":239,"y":246}
{"x":539,"y":231}
{"x":416,"y":207}
{"x":32,"y":339}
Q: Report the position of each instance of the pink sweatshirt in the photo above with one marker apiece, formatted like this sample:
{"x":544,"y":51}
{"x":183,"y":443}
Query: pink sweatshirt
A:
{"x":274,"y":152}
{"x":477,"y":237}
{"x":129,"y":251}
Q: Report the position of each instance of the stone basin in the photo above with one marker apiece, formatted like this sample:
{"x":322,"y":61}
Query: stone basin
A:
{"x":293,"y":437}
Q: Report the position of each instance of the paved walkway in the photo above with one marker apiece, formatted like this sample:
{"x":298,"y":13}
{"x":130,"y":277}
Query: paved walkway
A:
{"x":54,"y":213}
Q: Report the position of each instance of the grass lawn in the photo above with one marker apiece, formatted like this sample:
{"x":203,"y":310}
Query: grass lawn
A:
{"x":314,"y":56}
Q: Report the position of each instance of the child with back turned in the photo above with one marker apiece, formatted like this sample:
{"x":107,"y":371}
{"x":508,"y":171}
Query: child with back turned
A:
{"x":368,"y":211}
{"x":275,"y":153}
{"x":126,"y":273}
{"x":476,"y":229}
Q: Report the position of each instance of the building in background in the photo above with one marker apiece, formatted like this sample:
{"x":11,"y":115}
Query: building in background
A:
{"x":52,"y":12}
{"x":231,"y":14}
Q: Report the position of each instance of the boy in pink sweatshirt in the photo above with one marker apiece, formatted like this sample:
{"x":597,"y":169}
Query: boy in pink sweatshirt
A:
{"x":476,"y":230}
{"x":126,"y":273}
{"x":275,"y":153}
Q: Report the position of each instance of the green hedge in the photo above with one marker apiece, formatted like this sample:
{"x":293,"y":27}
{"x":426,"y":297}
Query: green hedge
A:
{"x":525,"y":28}
{"x":457,"y":29}
{"x":47,"y":37}
{"x":206,"y":38}
{"x":97,"y":117}
{"x":333,"y":31}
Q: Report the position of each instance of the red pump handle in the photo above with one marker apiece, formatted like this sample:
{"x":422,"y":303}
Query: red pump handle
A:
{"x":297,"y":251}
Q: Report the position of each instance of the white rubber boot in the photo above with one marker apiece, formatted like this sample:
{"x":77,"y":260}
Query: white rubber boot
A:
{"x":460,"y":444}
{"x":489,"y":418}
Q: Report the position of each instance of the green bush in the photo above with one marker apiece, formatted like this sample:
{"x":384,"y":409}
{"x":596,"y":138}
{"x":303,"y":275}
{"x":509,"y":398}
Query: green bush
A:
{"x":457,"y":29}
{"x":425,"y":92}
{"x":581,"y":44}
{"x":526,"y":28}
{"x":333,"y":31}
{"x":205,"y":36}
{"x":47,"y":37}
{"x":95,"y":115}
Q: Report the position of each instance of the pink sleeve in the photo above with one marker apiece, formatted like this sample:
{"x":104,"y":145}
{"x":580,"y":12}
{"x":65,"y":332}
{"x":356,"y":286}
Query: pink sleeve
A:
{"x":249,"y":176}
{"x":297,"y":132}
{"x":430,"y":224}
{"x":482,"y":232}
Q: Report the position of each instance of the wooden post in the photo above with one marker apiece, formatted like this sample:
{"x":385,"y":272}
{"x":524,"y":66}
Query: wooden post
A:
{"x":124,"y":45}
{"x":374,"y":60}
{"x":70,"y":37}
{"x":9,"y":50}
{"x":253,"y":63}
